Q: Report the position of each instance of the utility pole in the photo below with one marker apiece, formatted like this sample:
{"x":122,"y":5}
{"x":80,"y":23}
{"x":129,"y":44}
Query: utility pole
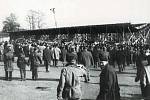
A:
{"x":53,"y":11}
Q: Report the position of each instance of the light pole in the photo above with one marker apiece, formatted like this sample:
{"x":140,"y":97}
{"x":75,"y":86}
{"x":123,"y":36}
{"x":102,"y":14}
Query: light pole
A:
{"x":53,"y":11}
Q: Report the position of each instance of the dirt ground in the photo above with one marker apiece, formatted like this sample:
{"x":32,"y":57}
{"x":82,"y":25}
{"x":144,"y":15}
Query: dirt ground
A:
{"x":45,"y":87}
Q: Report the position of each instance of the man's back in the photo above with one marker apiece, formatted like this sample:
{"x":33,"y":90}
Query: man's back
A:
{"x":69,"y":84}
{"x":86,"y":58}
{"x":47,"y":54}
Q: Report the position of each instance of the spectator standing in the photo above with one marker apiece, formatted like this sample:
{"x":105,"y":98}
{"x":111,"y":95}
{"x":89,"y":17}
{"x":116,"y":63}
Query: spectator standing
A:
{"x":47,"y":57}
{"x":63,"y":55}
{"x":56,"y":55}
{"x":87,"y":61}
{"x":96,"y":56}
{"x":21,"y":63}
{"x":120,"y":58}
{"x":140,"y":58}
{"x":109,"y":88}
{"x":8,"y":62}
{"x":35,"y":61}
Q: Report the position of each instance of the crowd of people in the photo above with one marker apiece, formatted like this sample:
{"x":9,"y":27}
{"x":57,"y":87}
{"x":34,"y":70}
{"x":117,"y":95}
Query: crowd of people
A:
{"x":96,"y":55}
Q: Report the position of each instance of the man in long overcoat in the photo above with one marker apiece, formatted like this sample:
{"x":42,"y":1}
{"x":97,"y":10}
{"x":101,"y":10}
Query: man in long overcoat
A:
{"x":63,"y":55}
{"x":87,"y":60}
{"x":47,"y":57}
{"x":8,"y":62}
{"x":56,"y":55}
{"x":109,"y":88}
{"x":35,"y":61}
{"x":21,"y":63}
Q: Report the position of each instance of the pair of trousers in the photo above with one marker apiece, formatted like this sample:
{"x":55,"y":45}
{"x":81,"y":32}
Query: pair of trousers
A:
{"x":55,"y":62}
{"x":47,"y":63}
{"x":87,"y":76}
{"x":23,"y":73}
{"x":34,"y":73}
{"x":8,"y":75}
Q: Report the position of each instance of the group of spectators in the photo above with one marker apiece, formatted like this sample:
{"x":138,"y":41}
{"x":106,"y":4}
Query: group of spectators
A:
{"x":103,"y":56}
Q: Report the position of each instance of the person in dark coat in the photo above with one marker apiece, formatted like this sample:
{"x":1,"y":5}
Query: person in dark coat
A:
{"x":21,"y":63}
{"x":79,"y":54}
{"x":26,"y":50}
{"x":120,"y":59}
{"x":109,"y":88}
{"x":8,"y":62}
{"x":47,"y":57}
{"x":35,"y":61}
{"x":87,"y":61}
{"x":96,"y":56}
{"x":128,"y":56}
{"x":140,"y":57}
{"x":112,"y":55}
{"x":63,"y":55}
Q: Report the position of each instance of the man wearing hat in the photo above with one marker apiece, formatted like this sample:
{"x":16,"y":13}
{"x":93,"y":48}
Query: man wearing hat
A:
{"x":109,"y":88}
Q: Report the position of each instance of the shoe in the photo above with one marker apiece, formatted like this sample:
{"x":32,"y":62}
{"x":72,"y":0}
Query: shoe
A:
{"x":47,"y":71}
{"x":24,"y":79}
{"x":9,"y":79}
{"x":86,"y":81}
{"x":6,"y":79}
{"x":137,"y":79}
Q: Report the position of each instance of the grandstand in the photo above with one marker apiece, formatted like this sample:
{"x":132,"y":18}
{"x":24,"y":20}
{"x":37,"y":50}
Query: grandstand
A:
{"x":109,"y":32}
{"x":4,"y":37}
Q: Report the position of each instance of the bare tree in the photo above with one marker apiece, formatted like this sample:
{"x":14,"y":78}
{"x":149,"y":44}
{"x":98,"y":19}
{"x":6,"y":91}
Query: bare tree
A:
{"x":35,"y":19}
{"x":40,"y":23}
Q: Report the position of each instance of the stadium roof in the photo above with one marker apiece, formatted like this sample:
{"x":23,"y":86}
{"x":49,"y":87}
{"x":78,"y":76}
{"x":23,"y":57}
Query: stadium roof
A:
{"x":89,"y":29}
{"x":2,"y":34}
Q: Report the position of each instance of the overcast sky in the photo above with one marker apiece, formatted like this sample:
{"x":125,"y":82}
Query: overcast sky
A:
{"x":78,"y":12}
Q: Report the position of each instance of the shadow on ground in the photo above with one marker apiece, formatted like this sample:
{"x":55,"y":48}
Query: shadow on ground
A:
{"x":125,"y":72}
{"x":39,"y":79}
{"x":126,"y":85}
{"x":133,"y":97}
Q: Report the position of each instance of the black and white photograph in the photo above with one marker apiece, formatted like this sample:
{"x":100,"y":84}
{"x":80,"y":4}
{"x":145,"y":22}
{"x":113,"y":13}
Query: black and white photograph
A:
{"x":74,"y":50}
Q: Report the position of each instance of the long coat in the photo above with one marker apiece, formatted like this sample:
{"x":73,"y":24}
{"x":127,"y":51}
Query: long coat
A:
{"x":21,"y":61}
{"x":87,"y":59}
{"x":35,"y":60}
{"x":63,"y":55}
{"x":47,"y":55}
{"x":109,"y":88}
{"x":8,"y":60}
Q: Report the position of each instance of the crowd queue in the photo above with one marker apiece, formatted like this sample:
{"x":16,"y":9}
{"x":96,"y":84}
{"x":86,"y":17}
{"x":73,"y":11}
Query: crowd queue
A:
{"x":75,"y":57}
